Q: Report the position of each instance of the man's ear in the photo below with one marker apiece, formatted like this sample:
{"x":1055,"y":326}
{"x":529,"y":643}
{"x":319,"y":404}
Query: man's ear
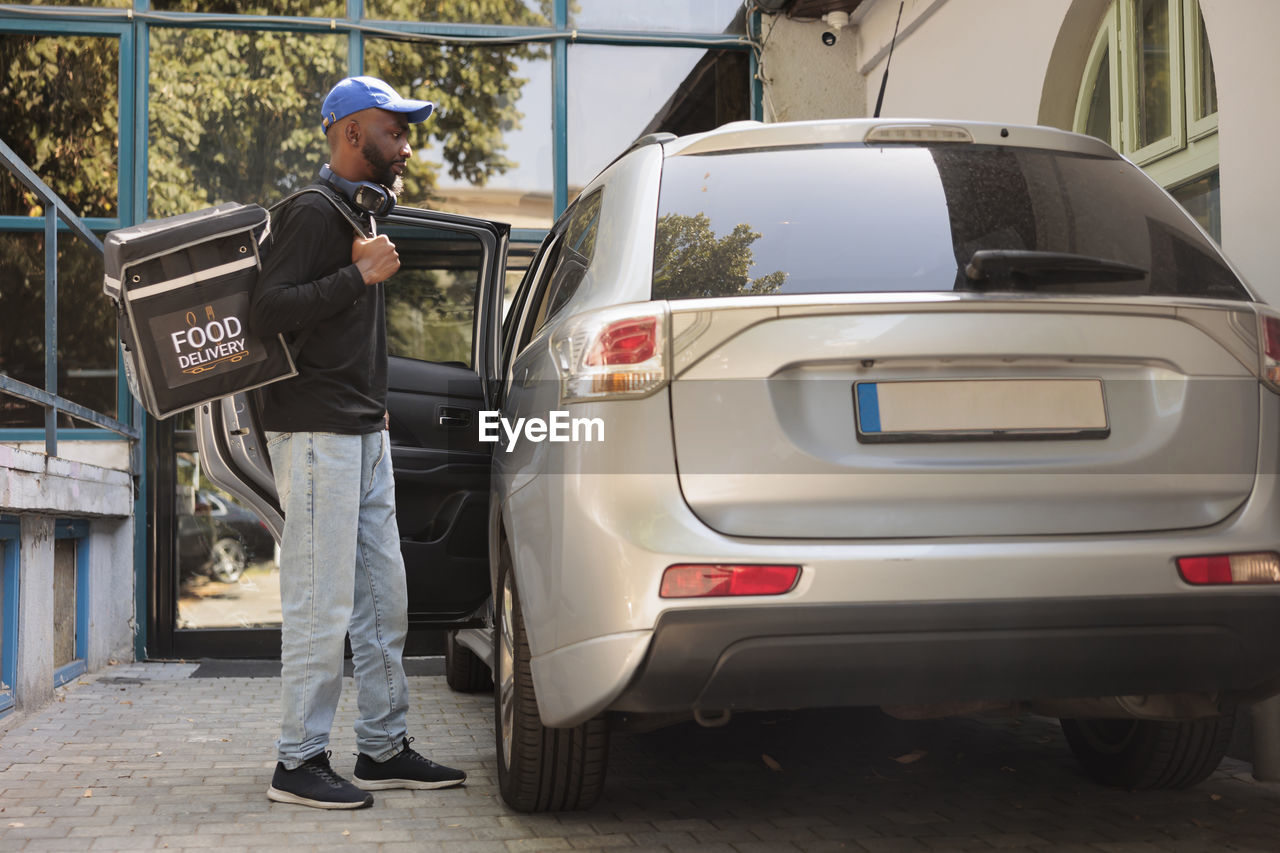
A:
{"x":352,"y":133}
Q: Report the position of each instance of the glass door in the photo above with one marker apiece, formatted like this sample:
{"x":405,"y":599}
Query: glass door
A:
{"x":216,"y":579}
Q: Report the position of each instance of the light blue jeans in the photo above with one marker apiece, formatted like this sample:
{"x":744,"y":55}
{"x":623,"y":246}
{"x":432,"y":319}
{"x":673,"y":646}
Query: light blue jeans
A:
{"x":340,"y":573}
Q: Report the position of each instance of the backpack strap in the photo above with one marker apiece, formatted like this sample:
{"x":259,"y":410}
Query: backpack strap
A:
{"x":339,"y":205}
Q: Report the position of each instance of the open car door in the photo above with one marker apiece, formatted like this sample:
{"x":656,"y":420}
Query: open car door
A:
{"x":444,"y":310}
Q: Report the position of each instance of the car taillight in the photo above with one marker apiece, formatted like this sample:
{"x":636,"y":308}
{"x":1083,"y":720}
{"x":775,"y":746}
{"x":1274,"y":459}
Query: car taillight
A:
{"x":1270,"y":334}
{"x":616,"y":353}
{"x":707,"y":581}
{"x":625,"y":342}
{"x":1230,"y":568}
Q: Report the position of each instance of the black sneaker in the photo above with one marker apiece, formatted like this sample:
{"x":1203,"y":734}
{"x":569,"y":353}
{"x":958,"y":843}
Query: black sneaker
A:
{"x":406,"y":769}
{"x":313,"y":783}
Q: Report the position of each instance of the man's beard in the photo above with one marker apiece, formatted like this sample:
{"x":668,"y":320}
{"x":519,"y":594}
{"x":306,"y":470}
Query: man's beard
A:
{"x":381,"y":166}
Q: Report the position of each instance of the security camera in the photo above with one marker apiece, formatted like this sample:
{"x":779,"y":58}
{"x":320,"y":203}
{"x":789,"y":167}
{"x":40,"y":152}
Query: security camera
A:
{"x":835,"y":21}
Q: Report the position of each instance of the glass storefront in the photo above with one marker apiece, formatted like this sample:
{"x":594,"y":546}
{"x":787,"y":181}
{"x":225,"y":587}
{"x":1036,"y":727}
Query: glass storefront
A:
{"x":520,"y":13}
{"x":226,"y":569}
{"x":615,"y":97}
{"x":704,"y":16}
{"x":487,"y":149}
{"x":59,"y":107}
{"x":224,"y":127}
{"x":86,"y":321}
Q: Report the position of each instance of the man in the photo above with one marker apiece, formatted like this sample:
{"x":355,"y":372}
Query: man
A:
{"x":340,"y":566}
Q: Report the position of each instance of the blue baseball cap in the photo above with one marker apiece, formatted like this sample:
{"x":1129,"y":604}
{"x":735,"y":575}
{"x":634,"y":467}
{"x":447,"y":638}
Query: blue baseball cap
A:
{"x":353,"y":94}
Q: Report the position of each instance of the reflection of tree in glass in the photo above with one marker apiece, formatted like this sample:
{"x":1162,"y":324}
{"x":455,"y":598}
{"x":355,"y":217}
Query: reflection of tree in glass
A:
{"x":475,"y":89}
{"x":234,"y":115}
{"x":59,"y":113}
{"x":689,"y":261}
{"x":429,"y":314}
{"x":86,"y":326}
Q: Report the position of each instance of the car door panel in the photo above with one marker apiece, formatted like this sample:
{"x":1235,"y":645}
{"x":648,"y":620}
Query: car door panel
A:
{"x":442,"y":486}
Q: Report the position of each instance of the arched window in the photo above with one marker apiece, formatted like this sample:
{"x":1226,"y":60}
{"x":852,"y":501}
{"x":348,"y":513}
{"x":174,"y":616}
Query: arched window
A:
{"x":1149,"y":91}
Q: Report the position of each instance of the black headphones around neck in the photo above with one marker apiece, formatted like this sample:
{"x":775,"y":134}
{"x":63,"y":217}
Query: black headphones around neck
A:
{"x":363,"y":195}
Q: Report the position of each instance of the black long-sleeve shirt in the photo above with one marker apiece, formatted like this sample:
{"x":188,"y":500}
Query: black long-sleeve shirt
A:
{"x":311,"y":291}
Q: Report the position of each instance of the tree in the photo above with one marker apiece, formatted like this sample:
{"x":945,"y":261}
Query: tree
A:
{"x":59,"y":109}
{"x":235,"y":115}
{"x":689,"y":261}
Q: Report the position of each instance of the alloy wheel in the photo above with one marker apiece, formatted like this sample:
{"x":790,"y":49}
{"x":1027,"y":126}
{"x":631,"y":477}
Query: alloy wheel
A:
{"x":506,"y":669}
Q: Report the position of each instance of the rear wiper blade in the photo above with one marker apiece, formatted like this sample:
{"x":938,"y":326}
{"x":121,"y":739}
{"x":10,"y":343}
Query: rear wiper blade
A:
{"x":997,"y":269}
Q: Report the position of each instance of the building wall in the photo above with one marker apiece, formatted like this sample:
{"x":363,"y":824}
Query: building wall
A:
{"x":100,"y":454}
{"x":976,"y":59}
{"x":42,"y":491}
{"x":813,"y":80}
{"x":1242,"y":36}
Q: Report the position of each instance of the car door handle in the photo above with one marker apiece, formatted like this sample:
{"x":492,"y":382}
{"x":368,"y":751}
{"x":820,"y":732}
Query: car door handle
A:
{"x":452,"y":418}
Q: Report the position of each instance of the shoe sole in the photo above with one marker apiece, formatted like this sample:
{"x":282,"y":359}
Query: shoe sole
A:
{"x":411,"y":784}
{"x":277,"y":796}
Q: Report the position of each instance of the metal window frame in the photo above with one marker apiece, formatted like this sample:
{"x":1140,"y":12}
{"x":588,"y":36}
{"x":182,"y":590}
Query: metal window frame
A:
{"x":9,"y":533}
{"x":1199,"y":123}
{"x":1191,"y":151}
{"x":1131,"y":34}
{"x":1106,"y":43}
{"x":132,"y":26}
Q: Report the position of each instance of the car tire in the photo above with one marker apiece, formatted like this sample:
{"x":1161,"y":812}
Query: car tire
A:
{"x":540,"y":769}
{"x":1149,"y":754}
{"x":464,"y":671}
{"x":228,"y":560}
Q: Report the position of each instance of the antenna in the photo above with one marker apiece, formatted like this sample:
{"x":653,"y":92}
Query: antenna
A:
{"x":885,"y":79}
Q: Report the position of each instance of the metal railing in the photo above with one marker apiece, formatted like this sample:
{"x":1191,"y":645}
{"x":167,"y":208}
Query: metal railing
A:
{"x":54,"y":209}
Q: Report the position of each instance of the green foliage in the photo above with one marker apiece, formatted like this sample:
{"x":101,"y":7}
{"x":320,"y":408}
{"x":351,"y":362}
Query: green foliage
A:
{"x":429,"y":313}
{"x":690,"y":261}
{"x":236,"y":115}
{"x":59,"y":109}
{"x":474,"y":88}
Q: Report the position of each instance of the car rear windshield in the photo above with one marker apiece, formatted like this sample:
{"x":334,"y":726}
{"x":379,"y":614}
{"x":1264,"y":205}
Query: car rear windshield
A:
{"x":867,"y":219}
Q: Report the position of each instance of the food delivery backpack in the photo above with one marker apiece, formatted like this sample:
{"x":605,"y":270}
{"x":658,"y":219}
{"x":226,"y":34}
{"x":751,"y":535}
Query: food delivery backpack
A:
{"x":183,"y":287}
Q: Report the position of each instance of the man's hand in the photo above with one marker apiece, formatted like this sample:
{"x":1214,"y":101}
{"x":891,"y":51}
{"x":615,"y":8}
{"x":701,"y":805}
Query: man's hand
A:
{"x":376,"y":259}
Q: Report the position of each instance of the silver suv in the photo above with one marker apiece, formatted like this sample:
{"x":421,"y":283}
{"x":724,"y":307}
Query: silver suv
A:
{"x":937,"y":417}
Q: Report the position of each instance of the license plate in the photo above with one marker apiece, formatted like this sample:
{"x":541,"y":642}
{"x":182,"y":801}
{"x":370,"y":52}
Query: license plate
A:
{"x":980,"y":410}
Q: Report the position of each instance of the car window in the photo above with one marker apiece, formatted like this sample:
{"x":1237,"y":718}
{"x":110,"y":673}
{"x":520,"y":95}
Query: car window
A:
{"x":539,"y":274}
{"x":511,"y":319}
{"x":571,"y":261}
{"x":861,"y":219}
{"x":430,"y":300}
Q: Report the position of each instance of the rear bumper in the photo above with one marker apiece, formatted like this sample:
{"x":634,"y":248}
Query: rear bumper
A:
{"x":763,"y":658}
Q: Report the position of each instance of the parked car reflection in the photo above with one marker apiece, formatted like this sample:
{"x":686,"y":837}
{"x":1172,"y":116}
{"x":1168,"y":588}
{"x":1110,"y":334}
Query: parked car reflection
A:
{"x":218,"y":538}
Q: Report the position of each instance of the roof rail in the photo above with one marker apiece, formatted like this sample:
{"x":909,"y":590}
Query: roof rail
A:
{"x":647,"y":139}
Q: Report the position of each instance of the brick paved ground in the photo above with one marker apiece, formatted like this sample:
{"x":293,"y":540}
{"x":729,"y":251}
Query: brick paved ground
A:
{"x":142,"y":756}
